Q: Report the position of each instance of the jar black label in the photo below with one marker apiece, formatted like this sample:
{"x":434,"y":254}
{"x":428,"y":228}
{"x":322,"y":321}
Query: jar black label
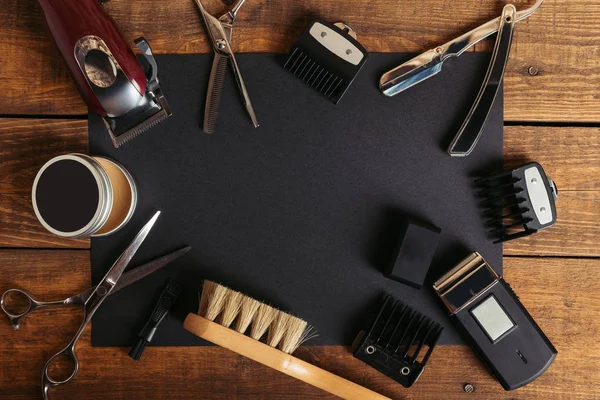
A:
{"x":67,"y":196}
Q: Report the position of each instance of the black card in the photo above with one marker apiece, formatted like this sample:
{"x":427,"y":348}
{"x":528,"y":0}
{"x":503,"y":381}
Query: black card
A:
{"x":302,"y":212}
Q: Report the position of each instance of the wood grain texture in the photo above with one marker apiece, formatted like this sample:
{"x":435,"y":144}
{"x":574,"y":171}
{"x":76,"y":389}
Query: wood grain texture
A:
{"x":560,"y":42}
{"x":571,"y":156}
{"x":26,"y":144}
{"x":560,"y":293}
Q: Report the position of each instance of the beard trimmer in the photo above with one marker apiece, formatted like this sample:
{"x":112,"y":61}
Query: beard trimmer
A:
{"x":109,"y":76}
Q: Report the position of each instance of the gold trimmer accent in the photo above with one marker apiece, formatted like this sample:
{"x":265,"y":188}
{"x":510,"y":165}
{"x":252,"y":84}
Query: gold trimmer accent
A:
{"x":280,"y":329}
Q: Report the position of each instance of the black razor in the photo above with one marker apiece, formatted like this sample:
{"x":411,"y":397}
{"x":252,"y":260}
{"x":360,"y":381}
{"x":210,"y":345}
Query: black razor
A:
{"x":396,"y":339}
{"x":490,"y":316}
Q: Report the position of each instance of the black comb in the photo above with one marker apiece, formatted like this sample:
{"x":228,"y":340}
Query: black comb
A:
{"x":327,"y":58}
{"x":395,"y":340}
{"x":517,"y":202}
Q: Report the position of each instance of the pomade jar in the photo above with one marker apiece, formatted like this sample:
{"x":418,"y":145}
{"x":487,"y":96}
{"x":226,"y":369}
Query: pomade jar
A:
{"x":75,"y":196}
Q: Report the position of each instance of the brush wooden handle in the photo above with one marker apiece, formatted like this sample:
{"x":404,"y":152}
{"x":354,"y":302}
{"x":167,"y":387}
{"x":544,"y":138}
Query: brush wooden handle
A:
{"x":278,"y":360}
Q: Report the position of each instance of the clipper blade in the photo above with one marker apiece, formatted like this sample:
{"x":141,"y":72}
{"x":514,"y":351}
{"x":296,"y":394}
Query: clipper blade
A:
{"x":518,"y":202}
{"x":127,"y":127}
{"x":327,"y":58}
{"x":396,"y":339}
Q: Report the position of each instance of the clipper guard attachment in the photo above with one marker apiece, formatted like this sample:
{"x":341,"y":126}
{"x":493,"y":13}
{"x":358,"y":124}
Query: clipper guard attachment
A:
{"x":517,"y":202}
{"x":393,"y":344}
{"x":327,"y":57}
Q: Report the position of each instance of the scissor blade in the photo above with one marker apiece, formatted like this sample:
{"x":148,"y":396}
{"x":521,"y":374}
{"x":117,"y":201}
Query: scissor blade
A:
{"x":144,"y":270}
{"x":140,"y":272}
{"x":213,"y":94}
{"x":243,"y":91}
{"x":115,"y":272}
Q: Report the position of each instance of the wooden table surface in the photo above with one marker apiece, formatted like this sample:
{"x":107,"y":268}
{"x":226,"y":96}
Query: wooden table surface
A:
{"x":552,"y":113}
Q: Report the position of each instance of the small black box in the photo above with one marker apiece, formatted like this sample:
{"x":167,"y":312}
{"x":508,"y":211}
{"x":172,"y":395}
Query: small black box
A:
{"x":414,"y":253}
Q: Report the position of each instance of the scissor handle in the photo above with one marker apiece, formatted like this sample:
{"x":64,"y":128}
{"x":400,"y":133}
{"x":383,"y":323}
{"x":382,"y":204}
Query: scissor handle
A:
{"x":47,"y":381}
{"x":33,"y":305}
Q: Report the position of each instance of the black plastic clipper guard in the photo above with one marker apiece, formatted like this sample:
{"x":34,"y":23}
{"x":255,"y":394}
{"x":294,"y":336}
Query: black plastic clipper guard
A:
{"x":396,"y":339}
{"x":517,"y":202}
{"x":327,"y":58}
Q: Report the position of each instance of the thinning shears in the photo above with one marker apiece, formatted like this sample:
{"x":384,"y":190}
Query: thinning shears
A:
{"x":219,"y":30}
{"x":91,"y":299}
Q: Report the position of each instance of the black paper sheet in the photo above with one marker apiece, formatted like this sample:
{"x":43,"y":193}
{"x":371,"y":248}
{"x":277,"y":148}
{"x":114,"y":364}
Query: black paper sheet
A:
{"x":302,"y":212}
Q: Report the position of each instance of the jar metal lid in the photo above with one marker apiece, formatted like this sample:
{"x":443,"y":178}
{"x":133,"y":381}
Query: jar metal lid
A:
{"x":105,"y":196}
{"x":134,"y":197}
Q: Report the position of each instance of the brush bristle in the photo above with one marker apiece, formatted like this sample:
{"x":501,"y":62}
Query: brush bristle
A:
{"x":212,"y":300}
{"x":247,"y":313}
{"x":231,"y":308}
{"x":262,"y":321}
{"x":253,"y":318}
{"x":278,"y":328}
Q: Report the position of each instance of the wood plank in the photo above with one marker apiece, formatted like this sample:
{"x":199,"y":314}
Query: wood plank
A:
{"x":19,"y":227}
{"x":571,"y":156}
{"x":26,"y":144}
{"x":557,"y":42}
{"x":560,"y":293}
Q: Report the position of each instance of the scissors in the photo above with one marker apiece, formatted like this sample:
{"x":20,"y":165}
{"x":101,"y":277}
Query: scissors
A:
{"x":219,"y":30}
{"x":93,"y":300}
{"x":79,"y":299}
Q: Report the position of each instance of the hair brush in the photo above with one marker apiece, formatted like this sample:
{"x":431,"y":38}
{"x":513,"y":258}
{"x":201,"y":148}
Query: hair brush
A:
{"x":226,"y":317}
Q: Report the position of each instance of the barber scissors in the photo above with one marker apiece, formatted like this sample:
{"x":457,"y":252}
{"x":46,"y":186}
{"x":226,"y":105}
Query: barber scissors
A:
{"x":93,"y":298}
{"x":79,"y":299}
{"x":219,"y":30}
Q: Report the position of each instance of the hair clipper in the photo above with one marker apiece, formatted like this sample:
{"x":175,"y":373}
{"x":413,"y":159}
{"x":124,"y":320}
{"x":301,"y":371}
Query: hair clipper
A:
{"x":109,"y":76}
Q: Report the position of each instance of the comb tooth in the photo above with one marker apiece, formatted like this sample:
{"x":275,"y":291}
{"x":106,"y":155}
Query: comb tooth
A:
{"x":297,"y":58}
{"x":327,"y":88}
{"x":301,"y":61}
{"x":498,"y":219}
{"x":287,"y":62}
{"x":306,"y":64}
{"x":318,"y":83}
{"x":491,"y":188}
{"x":518,"y":235}
{"x":410,"y":321}
{"x":494,"y":210}
{"x":523,"y":221}
{"x":414,"y":337}
{"x":492,"y":177}
{"x":387,"y":322}
{"x":381,"y":311}
{"x":318,"y":77}
{"x":502,"y":196}
{"x":431,"y":345}
{"x":310,"y":68}
{"x":317,"y":71}
{"x":333,"y":91}
{"x":423,"y":341}
{"x":325,"y":82}
{"x":401,"y":315}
